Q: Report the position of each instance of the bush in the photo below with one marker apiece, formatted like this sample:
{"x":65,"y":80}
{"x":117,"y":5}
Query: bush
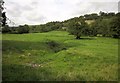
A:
{"x":55,"y":46}
{"x":23,"y":29}
{"x":115,"y":27}
{"x":6,"y":29}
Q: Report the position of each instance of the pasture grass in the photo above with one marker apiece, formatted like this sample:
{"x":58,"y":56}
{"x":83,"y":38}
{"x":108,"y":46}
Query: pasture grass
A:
{"x":56,"y":55}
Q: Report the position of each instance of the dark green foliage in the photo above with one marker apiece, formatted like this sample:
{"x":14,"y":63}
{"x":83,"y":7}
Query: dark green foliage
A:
{"x":115,"y":27}
{"x":118,"y":14}
{"x":23,"y":29}
{"x":111,"y":14}
{"x":36,"y":28}
{"x":53,"y":25}
{"x":106,"y":15}
{"x":6,"y":29}
{"x":16,"y":30}
{"x":76,"y":28}
{"x":55,"y":46}
{"x":104,"y":27}
{"x":2,"y":14}
{"x":87,"y":31}
{"x":13,"y":30}
{"x":94,"y":29}
{"x":104,"y":24}
{"x":92,"y":16}
{"x":102,"y":13}
{"x":4,"y":19}
{"x":101,"y":26}
{"x":50,"y":26}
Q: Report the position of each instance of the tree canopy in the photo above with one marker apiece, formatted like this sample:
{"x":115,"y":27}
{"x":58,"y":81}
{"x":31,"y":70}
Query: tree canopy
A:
{"x":104,"y":24}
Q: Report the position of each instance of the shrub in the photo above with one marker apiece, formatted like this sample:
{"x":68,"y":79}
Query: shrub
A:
{"x":23,"y":29}
{"x":6,"y":29}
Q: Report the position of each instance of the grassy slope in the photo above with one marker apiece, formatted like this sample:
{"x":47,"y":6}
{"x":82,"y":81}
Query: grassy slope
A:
{"x":30,"y":57}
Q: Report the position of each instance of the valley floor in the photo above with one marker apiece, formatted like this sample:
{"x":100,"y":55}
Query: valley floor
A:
{"x":58,"y":56}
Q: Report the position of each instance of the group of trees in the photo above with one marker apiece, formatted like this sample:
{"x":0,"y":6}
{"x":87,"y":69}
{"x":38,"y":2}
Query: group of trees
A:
{"x":102,"y":24}
{"x":16,"y":30}
{"x":115,"y":26}
{"x":50,"y":26}
{"x":46,"y":27}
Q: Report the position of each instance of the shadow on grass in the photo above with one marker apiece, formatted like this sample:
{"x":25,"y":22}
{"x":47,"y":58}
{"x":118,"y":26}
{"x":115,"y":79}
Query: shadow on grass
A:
{"x":13,"y":72}
{"x":86,"y":38}
{"x":21,"y":46}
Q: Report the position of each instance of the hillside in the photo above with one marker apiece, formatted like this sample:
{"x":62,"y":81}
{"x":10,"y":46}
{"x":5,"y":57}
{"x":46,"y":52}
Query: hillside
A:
{"x":58,"y":56}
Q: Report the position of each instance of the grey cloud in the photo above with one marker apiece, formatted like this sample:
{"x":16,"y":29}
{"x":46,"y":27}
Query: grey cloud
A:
{"x":27,"y":8}
{"x":39,"y":11}
{"x":39,"y":18}
{"x":119,"y":6}
{"x":82,"y":8}
{"x":59,"y":2}
{"x":95,"y":7}
{"x":105,"y":6}
{"x":16,"y":9}
{"x":34,"y":2}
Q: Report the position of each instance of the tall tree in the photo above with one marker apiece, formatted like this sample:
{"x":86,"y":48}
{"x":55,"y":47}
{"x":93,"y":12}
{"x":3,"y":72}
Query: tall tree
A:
{"x":76,"y":28}
{"x":115,"y":27}
{"x":1,"y":9}
{"x":2,"y":14}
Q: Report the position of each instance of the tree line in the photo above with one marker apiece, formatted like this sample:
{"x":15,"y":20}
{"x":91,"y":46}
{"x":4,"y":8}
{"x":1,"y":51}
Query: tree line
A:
{"x":102,"y":24}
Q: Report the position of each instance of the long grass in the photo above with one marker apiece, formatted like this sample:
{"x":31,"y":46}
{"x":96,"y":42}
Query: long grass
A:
{"x":59,"y":56}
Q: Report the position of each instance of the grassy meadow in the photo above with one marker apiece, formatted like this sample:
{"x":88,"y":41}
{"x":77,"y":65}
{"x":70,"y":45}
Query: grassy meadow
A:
{"x":56,"y":55}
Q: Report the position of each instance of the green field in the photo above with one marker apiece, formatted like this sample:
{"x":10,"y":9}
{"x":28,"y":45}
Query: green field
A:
{"x":57,"y":56}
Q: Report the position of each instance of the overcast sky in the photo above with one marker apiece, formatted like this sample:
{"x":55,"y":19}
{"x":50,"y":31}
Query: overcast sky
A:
{"x":42,"y":11}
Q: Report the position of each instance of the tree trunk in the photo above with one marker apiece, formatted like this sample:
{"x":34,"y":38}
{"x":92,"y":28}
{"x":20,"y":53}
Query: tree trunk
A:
{"x":77,"y":37}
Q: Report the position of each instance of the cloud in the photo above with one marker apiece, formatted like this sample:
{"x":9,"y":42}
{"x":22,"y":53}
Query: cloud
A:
{"x":95,"y":7}
{"x":42,"y":11}
{"x":105,"y":6}
{"x":35,"y":18}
